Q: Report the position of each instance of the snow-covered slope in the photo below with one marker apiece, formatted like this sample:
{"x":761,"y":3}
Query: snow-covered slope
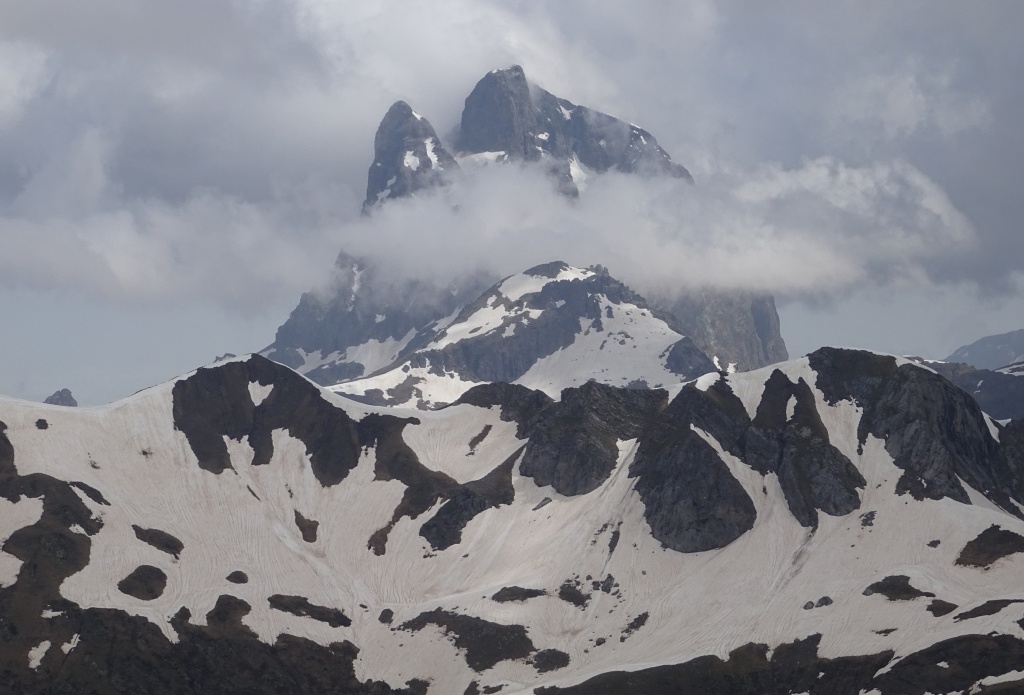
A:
{"x":845,"y":523}
{"x":549,"y":328}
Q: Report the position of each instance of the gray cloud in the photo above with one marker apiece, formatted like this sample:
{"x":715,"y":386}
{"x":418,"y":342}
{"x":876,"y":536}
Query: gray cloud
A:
{"x":215,"y":152}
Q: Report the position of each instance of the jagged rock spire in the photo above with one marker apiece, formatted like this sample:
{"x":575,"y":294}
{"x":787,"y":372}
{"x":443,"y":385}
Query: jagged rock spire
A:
{"x":408,"y":156}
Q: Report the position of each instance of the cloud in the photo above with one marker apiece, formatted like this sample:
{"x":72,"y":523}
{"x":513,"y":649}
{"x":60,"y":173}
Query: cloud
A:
{"x":819,"y":229}
{"x":906,"y":101}
{"x":216,"y":151}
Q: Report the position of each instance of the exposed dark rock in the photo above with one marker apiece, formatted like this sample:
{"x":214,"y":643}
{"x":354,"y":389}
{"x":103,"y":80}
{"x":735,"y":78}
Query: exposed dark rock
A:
{"x":386,"y":616}
{"x":516,"y":593}
{"x":809,"y":605}
{"x":307,"y":527}
{"x":42,"y":424}
{"x":935,"y":432}
{"x":543,"y":503}
{"x":144,"y":583}
{"x":444,"y":529}
{"x":479,"y":438}
{"x":518,"y":403}
{"x":613,"y":541}
{"x":739,"y":328}
{"x":823,"y":601}
{"x":407,"y":157}
{"x":634,"y":625}
{"x":813,"y":474}
{"x":570,"y":593}
{"x":161,"y":540}
{"x":238,"y":577}
{"x":396,"y":461}
{"x":992,"y":544}
{"x":896,"y":588}
{"x":867,"y":519}
{"x":215,"y":403}
{"x":987,"y":608}
{"x":687,"y":360}
{"x":691,"y":499}
{"x":365,"y":304}
{"x":998,"y":393}
{"x":299,"y":605}
{"x":90,"y":492}
{"x":482,"y":642}
{"x":965,"y":660}
{"x":573,"y":443}
{"x":793,"y":668}
{"x":505,"y":113}
{"x":934,"y":543}
{"x":62,"y":397}
{"x":549,"y":660}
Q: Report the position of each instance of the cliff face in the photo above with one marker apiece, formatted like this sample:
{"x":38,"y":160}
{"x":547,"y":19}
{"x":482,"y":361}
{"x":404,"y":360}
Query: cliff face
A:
{"x":736,"y":328}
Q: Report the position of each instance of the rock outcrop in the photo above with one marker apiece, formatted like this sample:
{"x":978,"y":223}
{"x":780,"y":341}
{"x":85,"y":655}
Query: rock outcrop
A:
{"x":62,"y":397}
{"x":407,"y":157}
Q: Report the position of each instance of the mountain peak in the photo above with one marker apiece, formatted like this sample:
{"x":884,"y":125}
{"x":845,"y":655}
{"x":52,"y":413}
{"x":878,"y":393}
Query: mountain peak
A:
{"x":408,"y":156}
{"x":507,"y":114}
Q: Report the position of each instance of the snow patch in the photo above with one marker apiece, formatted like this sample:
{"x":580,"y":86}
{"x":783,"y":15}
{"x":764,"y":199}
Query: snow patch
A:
{"x":36,"y":654}
{"x":411,"y":161}
{"x":70,"y":644}
{"x":259,"y":392}
{"x":434,"y":162}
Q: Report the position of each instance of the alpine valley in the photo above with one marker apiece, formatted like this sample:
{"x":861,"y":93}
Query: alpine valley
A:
{"x":543,"y":483}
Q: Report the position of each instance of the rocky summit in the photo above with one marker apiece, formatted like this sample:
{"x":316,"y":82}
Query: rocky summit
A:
{"x":367,"y":323}
{"x":510,"y":119}
{"x":843,"y":523}
{"x":407,"y":157}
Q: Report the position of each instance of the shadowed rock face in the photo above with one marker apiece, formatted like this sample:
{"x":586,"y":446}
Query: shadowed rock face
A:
{"x":62,"y":397}
{"x":215,"y":403}
{"x":739,"y":328}
{"x":505,"y":113}
{"x":991,"y":352}
{"x":568,"y":308}
{"x":934,"y":431}
{"x":365,"y":307}
{"x":573,"y":444}
{"x":999,"y":393}
{"x":408,"y":156}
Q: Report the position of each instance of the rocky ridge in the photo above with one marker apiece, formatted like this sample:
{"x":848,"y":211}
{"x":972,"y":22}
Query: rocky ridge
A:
{"x":366,"y":323}
{"x":723,"y":504}
{"x":549,"y":328}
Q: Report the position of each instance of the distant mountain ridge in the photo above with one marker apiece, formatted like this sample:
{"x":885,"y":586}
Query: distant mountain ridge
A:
{"x":368,"y":323}
{"x":991,"y":352}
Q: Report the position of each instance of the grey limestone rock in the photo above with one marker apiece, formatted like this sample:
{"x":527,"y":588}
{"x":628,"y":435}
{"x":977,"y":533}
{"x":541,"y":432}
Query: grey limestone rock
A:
{"x":62,"y":397}
{"x":739,"y":328}
{"x":505,"y":113}
{"x":573,"y":443}
{"x":408,"y":156}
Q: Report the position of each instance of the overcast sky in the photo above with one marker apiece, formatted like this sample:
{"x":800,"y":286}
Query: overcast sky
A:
{"x":174,"y":175}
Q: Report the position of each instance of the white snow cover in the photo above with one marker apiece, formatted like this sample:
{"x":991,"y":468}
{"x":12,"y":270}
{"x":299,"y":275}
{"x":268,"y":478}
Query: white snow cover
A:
{"x":411,"y":161}
{"x":36,"y":654}
{"x":754,"y":589}
{"x":482,"y":158}
{"x":429,"y":144}
{"x":375,"y":354}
